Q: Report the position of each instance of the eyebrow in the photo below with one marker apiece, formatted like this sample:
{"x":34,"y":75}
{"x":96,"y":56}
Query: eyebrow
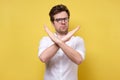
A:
{"x":61,"y":18}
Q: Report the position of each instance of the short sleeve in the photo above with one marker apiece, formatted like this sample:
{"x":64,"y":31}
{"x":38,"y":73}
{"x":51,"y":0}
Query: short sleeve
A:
{"x":44,"y":43}
{"x":80,"y":47}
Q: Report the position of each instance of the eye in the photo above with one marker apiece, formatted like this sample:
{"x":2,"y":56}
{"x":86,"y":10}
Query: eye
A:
{"x":58,"y":19}
{"x":65,"y":18}
{"x":62,"y":19}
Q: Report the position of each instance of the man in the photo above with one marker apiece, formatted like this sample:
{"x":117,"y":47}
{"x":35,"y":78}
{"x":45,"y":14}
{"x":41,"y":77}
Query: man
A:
{"x":61,"y":51}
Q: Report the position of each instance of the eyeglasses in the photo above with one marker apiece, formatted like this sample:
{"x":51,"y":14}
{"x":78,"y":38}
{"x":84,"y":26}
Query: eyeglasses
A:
{"x":59,"y":20}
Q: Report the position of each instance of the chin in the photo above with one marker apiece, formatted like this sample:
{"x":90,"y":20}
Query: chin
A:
{"x":64,"y":32}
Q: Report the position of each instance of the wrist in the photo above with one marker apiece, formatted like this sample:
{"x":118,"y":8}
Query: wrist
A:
{"x":60,"y":42}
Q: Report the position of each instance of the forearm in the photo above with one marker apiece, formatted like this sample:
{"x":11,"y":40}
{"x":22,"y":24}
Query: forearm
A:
{"x":48,"y":53}
{"x":71,"y":53}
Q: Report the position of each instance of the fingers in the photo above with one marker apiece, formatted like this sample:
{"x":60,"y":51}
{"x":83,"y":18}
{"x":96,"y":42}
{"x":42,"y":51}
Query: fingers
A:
{"x":51,"y":35}
{"x":48,"y":31}
{"x":70,"y":34}
{"x":76,"y":29}
{"x":64,"y":39}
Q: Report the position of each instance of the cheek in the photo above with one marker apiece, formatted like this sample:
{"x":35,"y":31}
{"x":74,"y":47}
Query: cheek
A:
{"x":55,"y":24}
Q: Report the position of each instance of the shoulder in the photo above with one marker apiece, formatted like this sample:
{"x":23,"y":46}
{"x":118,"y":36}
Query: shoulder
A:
{"x":45,"y":38}
{"x":45,"y":41}
{"x":77,"y":38}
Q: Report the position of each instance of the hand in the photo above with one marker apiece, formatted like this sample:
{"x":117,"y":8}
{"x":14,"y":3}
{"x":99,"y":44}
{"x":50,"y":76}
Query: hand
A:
{"x":70,"y":34}
{"x":51,"y":35}
{"x":64,"y":39}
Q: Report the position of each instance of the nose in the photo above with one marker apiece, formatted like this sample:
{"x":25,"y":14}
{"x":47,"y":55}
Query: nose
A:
{"x":63,"y":21}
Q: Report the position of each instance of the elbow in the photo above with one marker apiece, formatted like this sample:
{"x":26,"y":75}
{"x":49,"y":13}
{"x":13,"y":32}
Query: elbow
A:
{"x":42,"y":59}
{"x":79,"y":61}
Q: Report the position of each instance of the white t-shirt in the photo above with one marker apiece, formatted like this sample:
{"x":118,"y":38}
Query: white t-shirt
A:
{"x":60,"y":67}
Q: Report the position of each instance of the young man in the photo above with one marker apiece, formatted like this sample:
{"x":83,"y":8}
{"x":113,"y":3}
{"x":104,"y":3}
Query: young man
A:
{"x":61,"y":51}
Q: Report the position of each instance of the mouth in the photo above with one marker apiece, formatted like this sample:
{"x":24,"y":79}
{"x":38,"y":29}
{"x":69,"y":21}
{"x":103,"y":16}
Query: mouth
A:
{"x":63,"y":26}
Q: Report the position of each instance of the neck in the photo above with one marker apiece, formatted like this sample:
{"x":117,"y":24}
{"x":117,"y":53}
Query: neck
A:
{"x":60,"y":35}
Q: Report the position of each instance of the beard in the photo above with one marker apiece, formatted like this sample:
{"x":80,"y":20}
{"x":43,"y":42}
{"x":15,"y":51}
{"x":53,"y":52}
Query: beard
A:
{"x":63,"y":32}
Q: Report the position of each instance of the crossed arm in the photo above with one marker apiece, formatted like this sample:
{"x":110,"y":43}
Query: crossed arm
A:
{"x":60,"y":43}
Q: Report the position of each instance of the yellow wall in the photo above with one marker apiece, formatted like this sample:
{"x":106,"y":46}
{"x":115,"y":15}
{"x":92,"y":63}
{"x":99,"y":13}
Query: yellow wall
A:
{"x":21,"y":28}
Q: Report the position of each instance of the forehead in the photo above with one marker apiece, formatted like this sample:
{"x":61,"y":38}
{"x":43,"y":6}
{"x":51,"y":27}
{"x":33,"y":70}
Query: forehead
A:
{"x":62,"y":14}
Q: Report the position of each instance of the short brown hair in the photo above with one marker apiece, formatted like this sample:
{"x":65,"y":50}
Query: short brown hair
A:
{"x":57,"y":9}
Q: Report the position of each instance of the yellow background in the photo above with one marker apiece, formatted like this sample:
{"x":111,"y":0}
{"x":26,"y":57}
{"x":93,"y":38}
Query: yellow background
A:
{"x":21,"y":28}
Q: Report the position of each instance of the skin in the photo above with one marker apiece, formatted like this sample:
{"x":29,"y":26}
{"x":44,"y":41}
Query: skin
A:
{"x":59,"y":42}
